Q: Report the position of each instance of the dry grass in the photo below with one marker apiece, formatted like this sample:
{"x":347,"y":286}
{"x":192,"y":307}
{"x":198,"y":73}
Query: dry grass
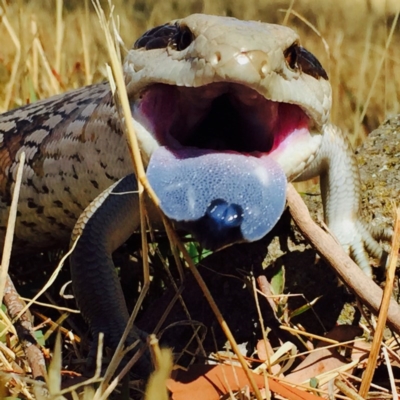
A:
{"x":50,"y":47}
{"x":74,"y":51}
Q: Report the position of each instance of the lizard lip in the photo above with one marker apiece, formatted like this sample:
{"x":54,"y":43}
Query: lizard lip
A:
{"x":218,"y":116}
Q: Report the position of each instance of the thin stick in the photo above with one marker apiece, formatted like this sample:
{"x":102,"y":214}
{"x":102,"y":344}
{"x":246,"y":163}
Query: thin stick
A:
{"x":347,"y":390}
{"x":54,"y":84}
{"x":126,"y":111}
{"x":387,"y":294}
{"x":261,"y":320}
{"x":35,"y":59}
{"x":310,"y":335}
{"x":59,"y":35}
{"x":349,"y":272}
{"x":381,"y":61}
{"x":362,"y":78}
{"x":288,"y":12}
{"x":50,"y":280}
{"x":390,"y":373}
{"x":15,"y":64}
{"x":5,"y":261}
{"x":139,"y":169}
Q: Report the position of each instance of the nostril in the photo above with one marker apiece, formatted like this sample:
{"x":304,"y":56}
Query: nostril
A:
{"x":263,"y":69}
{"x":216,"y":58}
{"x":225,"y":215}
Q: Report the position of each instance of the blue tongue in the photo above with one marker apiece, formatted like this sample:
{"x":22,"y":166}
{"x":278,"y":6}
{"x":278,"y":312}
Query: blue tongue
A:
{"x":220,"y":197}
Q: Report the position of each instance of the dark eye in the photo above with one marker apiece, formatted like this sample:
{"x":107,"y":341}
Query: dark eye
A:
{"x":298,"y":57}
{"x":291,"y":56}
{"x":309,"y":64}
{"x":176,"y":36}
{"x":182,"y":39}
{"x":156,"y":38}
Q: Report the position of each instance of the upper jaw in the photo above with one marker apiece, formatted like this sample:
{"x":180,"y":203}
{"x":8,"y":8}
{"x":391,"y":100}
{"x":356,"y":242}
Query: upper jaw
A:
{"x":264,"y":57}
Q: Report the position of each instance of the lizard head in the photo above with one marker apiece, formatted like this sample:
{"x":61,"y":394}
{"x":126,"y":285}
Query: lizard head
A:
{"x":226,"y":111}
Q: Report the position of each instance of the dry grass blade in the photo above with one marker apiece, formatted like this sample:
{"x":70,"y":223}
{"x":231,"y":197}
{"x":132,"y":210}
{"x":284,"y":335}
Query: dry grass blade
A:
{"x":140,"y":172}
{"x":381,"y":61}
{"x":311,"y":26}
{"x":51,"y":279}
{"x":347,"y":390}
{"x":124,"y":102}
{"x":55,"y":85}
{"x":308,"y":335}
{"x":55,"y":307}
{"x":17,"y":44}
{"x":387,"y":294}
{"x":362,"y":77}
{"x":390,"y":373}
{"x":54,"y":374}
{"x":141,"y":176}
{"x":5,"y":261}
{"x":261,"y":320}
{"x":59,"y":34}
{"x":156,"y":386}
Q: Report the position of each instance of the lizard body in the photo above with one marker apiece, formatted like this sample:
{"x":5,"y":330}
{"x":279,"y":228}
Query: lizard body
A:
{"x":235,"y":107}
{"x":75,"y":149}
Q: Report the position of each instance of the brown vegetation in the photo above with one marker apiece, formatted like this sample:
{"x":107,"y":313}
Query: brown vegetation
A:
{"x":48,"y":47}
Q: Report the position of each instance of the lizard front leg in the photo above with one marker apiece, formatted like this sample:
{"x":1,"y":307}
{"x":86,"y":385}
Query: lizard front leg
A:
{"x":337,"y":167}
{"x":104,"y":226}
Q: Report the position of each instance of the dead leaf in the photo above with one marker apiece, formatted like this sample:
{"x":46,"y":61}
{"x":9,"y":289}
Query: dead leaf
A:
{"x":324,"y":359}
{"x":263,"y":353}
{"x":210,"y":382}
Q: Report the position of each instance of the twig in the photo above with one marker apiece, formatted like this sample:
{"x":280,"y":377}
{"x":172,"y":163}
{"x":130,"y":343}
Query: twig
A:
{"x":51,"y":280}
{"x":124,"y":109}
{"x":381,"y":61}
{"x":9,"y":294}
{"x":15,"y":64}
{"x":59,"y":35}
{"x":347,"y":390}
{"x":390,"y":373}
{"x":369,"y":293}
{"x":8,"y":241}
{"x":25,"y":331}
{"x":265,"y":289}
{"x":261,"y":320}
{"x":142,"y":181}
{"x":387,"y":294}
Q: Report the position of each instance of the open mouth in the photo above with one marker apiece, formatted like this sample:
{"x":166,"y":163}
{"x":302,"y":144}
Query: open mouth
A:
{"x":224,"y":156}
{"x":219,"y":116}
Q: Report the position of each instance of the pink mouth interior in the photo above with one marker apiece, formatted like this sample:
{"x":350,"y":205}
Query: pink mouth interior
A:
{"x":215,"y":146}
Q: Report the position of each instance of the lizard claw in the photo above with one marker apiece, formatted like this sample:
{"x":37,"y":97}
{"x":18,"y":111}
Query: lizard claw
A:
{"x":362,"y":241}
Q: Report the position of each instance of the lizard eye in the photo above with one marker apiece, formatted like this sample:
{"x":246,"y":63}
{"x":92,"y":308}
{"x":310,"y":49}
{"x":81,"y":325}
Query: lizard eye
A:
{"x":309,"y":64}
{"x":291,"y":56}
{"x":182,"y":39}
{"x":298,"y":57}
{"x":175,"y":36}
{"x":156,"y":38}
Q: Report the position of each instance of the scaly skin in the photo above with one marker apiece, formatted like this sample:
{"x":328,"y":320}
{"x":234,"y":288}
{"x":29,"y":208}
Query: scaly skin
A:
{"x":76,"y":149}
